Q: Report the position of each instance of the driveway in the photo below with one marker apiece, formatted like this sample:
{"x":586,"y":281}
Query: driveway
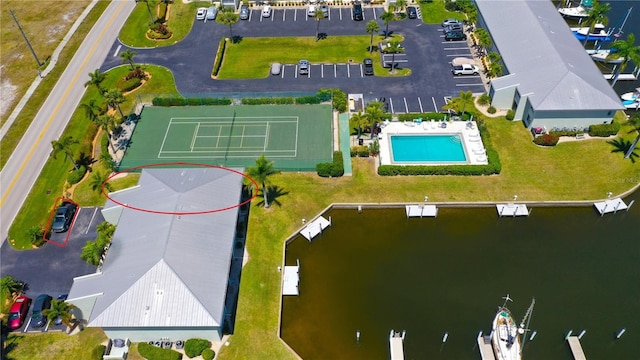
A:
{"x":427,"y":54}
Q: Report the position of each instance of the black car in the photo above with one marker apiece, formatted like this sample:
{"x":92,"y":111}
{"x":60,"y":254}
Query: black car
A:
{"x":412,"y":12}
{"x":357,"y":12}
{"x":368,"y":66}
{"x":64,"y":216}
{"x":455,"y":36}
{"x":43,"y":302}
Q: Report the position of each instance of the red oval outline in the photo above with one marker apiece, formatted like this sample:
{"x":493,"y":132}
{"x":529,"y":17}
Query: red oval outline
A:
{"x":255,"y":183}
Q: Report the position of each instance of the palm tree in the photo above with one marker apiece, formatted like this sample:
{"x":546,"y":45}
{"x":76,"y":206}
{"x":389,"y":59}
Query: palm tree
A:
{"x":106,"y":122}
{"x":95,"y":79}
{"x":372,"y":27}
{"x":228,"y":17}
{"x":114,"y":98}
{"x":261,"y":172}
{"x":393,"y":48}
{"x":628,"y":51}
{"x":318,"y":15}
{"x":127,"y":56}
{"x":359,"y":121}
{"x":400,"y":5}
{"x":465,"y":98}
{"x":107,"y":161}
{"x":484,"y":39}
{"x":386,"y":17}
{"x":596,"y":15}
{"x":374,"y":112}
{"x":59,"y":309}
{"x":151,"y":20}
{"x":625,"y":147}
{"x":92,"y":253}
{"x":105,"y":229}
{"x":64,"y":145}
{"x":9,"y":285}
{"x":99,"y":178}
{"x":91,"y":110}
{"x":635,"y":122}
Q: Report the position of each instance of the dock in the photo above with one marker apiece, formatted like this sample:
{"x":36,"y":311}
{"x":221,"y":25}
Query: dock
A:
{"x":576,"y":348}
{"x":611,"y":206}
{"x":486,"y":350}
{"x":315,"y":227}
{"x":396,"y":345}
{"x":512,"y":210}
{"x":291,"y":280}
{"x":421,"y":211}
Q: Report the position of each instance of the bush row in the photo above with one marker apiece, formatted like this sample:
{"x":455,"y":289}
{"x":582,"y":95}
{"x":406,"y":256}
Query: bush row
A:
{"x":604,"y":130}
{"x":152,"y":352}
{"x":566,"y":132}
{"x":189,"y":101}
{"x":546,"y":140}
{"x":219,"y":55}
{"x":195,"y":347}
{"x":332,"y":169}
{"x":126,"y":85}
{"x":98,"y":352}
{"x":265,"y":101}
{"x":76,"y":175}
{"x":361,"y":151}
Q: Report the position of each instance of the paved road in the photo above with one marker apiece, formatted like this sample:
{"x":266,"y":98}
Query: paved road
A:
{"x":20,"y":172}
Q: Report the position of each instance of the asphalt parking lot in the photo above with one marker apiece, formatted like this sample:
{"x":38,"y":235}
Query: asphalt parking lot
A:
{"x":427,"y":54}
{"x":51,"y":268}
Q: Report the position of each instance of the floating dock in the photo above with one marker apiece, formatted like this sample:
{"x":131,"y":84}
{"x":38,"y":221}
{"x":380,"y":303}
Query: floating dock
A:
{"x":291,"y":280}
{"x":315,"y":227}
{"x":486,"y":350}
{"x":576,"y":348}
{"x":611,"y":206}
{"x":396,"y":345}
{"x":422,"y":211}
{"x":513,"y":210}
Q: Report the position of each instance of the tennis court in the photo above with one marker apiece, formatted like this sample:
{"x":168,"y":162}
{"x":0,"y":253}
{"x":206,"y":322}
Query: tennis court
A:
{"x":294,"y":137}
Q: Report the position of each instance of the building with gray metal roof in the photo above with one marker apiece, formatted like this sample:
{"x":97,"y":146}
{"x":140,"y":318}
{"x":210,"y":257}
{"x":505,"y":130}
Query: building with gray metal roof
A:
{"x":550,"y":81}
{"x":165,"y":276}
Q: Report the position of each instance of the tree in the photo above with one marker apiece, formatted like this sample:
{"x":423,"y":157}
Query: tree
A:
{"x":635,"y":122}
{"x":318,"y":15}
{"x":465,"y":98}
{"x":9,"y":285}
{"x":401,"y":5}
{"x":114,"y":98}
{"x":59,"y":309}
{"x":95,"y":79}
{"x":127,"y":57}
{"x":372,"y":27}
{"x":359,"y":121}
{"x":92,"y":253}
{"x":261,"y":173}
{"x":229,"y":18}
{"x":393,"y":48}
{"x":386,"y":17}
{"x":91,"y":110}
{"x":106,"y":122}
{"x":628,"y":51}
{"x":151,"y":20}
{"x":596,"y":15}
{"x":36,"y":235}
{"x":374,"y":112}
{"x":484,"y":39}
{"x":97,"y":179}
{"x":64,"y":145}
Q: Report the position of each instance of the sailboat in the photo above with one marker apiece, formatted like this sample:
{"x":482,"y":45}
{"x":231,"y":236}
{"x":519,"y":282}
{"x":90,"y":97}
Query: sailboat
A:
{"x":577,"y":12}
{"x":505,"y":334}
{"x":608,"y":55}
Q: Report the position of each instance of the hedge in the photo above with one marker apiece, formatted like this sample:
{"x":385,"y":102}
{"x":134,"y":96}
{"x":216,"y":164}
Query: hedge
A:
{"x":338,"y":96}
{"x":566,"y":132}
{"x":265,"y":101}
{"x":510,"y":114}
{"x":219,"y":55}
{"x":155,"y":353}
{"x":332,"y":169}
{"x":195,"y":347}
{"x":308,"y":100}
{"x":604,"y":130}
{"x":208,"y":354}
{"x":128,"y":85}
{"x":76,"y":175}
{"x":546,"y":140}
{"x":98,"y":352}
{"x":171,"y":101}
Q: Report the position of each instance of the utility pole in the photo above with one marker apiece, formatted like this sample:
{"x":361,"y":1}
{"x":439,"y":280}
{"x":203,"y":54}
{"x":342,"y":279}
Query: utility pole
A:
{"x":25,"y":38}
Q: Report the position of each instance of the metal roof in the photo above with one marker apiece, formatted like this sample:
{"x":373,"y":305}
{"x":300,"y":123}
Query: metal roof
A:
{"x":168,"y":270}
{"x":544,"y":59}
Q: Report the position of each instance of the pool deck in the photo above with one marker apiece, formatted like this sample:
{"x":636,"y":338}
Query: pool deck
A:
{"x":471,"y":140}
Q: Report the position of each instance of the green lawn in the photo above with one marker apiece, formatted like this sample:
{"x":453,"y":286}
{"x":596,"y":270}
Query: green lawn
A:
{"x":181,"y":18}
{"x":433,"y":12}
{"x":52,"y":345}
{"x":264,"y":51}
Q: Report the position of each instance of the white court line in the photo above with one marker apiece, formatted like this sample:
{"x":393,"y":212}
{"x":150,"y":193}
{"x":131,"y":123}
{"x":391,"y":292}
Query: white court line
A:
{"x":219,"y":136}
{"x":295,"y":150}
{"x":195,"y":135}
{"x":165,"y":137}
{"x":115,"y":53}
{"x":266,"y":137}
{"x":241,"y":138}
{"x":420,"y":103}
{"x":434,"y":104}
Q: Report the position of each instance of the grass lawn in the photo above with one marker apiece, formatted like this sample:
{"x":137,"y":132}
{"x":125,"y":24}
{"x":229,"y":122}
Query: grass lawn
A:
{"x":52,"y":345}
{"x":433,"y":12}
{"x":264,"y":51}
{"x":20,"y":69}
{"x":180,"y":19}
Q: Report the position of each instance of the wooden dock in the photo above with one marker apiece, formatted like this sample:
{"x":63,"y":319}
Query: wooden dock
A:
{"x":486,"y":350}
{"x":422,"y":211}
{"x":512,"y":210}
{"x":576,"y":348}
{"x":396,"y":345}
{"x":315,"y":227}
{"x":291,"y":280}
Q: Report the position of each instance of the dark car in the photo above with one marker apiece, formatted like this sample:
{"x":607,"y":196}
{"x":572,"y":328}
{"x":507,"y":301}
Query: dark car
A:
{"x":244,"y":12}
{"x":368,"y":66}
{"x":412,"y":12}
{"x":64,"y":216}
{"x":43,"y":302}
{"x":455,"y":36}
{"x":18,"y":312}
{"x":357,"y":12}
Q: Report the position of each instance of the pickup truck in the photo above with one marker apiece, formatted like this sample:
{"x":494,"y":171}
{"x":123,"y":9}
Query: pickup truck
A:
{"x":465,"y":69}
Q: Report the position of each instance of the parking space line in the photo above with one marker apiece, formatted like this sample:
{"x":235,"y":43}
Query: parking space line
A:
{"x":391,"y":105}
{"x":322,"y":71}
{"x":283,"y":67}
{"x":420,"y":103}
{"x":406,"y":106}
{"x":435,"y":107}
{"x":340,"y":10}
{"x":335,"y":70}
{"x":284,"y":13}
{"x":375,"y":16}
{"x":348,"y":71}
{"x":470,"y":84}
{"x":95,"y":210}
{"x":295,"y":14}
{"x":456,"y":48}
{"x":273,"y":15}
{"x":361,"y":71}
{"x":296,"y":73}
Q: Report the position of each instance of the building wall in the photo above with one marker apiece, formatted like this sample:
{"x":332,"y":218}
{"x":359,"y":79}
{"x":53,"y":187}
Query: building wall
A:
{"x":155,"y":334}
{"x":502,"y":98}
{"x":567,"y":119}
{"x":83,"y":308}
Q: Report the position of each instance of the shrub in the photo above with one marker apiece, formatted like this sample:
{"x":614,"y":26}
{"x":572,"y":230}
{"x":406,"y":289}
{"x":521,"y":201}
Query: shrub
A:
{"x":159,"y":31}
{"x":332,"y":169}
{"x":219,"y":55}
{"x":152,"y":352}
{"x":308,"y":100}
{"x":36,"y":234}
{"x":358,"y":150}
{"x":194,"y":347}
{"x":339,"y":99}
{"x":128,"y":85}
{"x":546,"y":140}
{"x":98,"y":352}
{"x":76,"y":175}
{"x":571,"y":133}
{"x":510,"y":114}
{"x":604,"y":130}
{"x":324,"y":95}
{"x":190,"y":101}
{"x":136,"y":73}
{"x":491,"y":110}
{"x":484,"y":99}
{"x":208,"y":354}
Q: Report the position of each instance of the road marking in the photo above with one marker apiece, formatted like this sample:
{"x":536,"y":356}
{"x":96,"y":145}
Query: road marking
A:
{"x":348,"y":71}
{"x":295,"y":15}
{"x":95,"y":210}
{"x":283,"y":67}
{"x":435,"y":107}
{"x":284,"y":13}
{"x":375,"y":16}
{"x":420,"y":103}
{"x":115,"y":53}
{"x":459,"y":55}
{"x":335,"y":70}
{"x":391,"y":105}
{"x":361,"y":71}
{"x":322,"y":71}
{"x":406,"y":106}
{"x":74,"y":80}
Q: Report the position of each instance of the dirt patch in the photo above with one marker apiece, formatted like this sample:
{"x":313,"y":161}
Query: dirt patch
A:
{"x":483,"y":109}
{"x":9,"y":93}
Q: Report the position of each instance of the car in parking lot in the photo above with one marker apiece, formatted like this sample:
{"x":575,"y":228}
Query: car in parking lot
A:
{"x":368,"y":66}
{"x":311,"y":11}
{"x":450,"y":22}
{"x":276,"y":68}
{"x":303,"y":67}
{"x":464,"y":69}
{"x":325,"y":10}
{"x":18,"y":312}
{"x":212,"y":12}
{"x":453,"y":27}
{"x":455,"y":36}
{"x":201,"y":14}
{"x":43,"y":302}
{"x":357,"y":12}
{"x":244,"y":12}
{"x":64,"y":216}
{"x":266,"y":11}
{"x":412,"y":12}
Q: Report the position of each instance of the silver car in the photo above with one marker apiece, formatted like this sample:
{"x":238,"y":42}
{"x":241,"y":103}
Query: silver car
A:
{"x":244,"y":12}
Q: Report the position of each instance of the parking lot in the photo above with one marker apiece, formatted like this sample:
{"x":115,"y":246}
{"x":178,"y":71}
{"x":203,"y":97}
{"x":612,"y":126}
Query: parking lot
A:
{"x":279,"y":14}
{"x":51,"y":268}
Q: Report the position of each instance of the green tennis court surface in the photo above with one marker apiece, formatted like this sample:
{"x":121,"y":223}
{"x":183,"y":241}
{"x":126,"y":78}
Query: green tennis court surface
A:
{"x":294,"y":137}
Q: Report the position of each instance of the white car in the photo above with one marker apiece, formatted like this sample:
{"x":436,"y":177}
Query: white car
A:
{"x":266,"y":11}
{"x":201,"y":14}
{"x":465,"y":69}
{"x":312,"y":10}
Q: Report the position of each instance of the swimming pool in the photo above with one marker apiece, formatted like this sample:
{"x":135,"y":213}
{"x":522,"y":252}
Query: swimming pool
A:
{"x":427,"y":148}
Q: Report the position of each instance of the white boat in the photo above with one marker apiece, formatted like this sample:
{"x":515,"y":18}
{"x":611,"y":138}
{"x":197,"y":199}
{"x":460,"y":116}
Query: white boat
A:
{"x":505,"y":335}
{"x":580,"y":11}
{"x":602,"y":55}
{"x":632,"y":95}
{"x":598,"y":34}
{"x":631,"y":104}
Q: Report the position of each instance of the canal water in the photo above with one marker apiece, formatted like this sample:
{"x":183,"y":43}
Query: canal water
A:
{"x":377,"y":270}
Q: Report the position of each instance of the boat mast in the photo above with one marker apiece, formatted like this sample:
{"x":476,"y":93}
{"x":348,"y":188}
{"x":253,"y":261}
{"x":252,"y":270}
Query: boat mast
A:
{"x":523,"y":329}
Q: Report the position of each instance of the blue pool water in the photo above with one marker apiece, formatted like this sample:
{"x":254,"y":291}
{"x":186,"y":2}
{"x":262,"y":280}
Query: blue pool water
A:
{"x":427,"y":148}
